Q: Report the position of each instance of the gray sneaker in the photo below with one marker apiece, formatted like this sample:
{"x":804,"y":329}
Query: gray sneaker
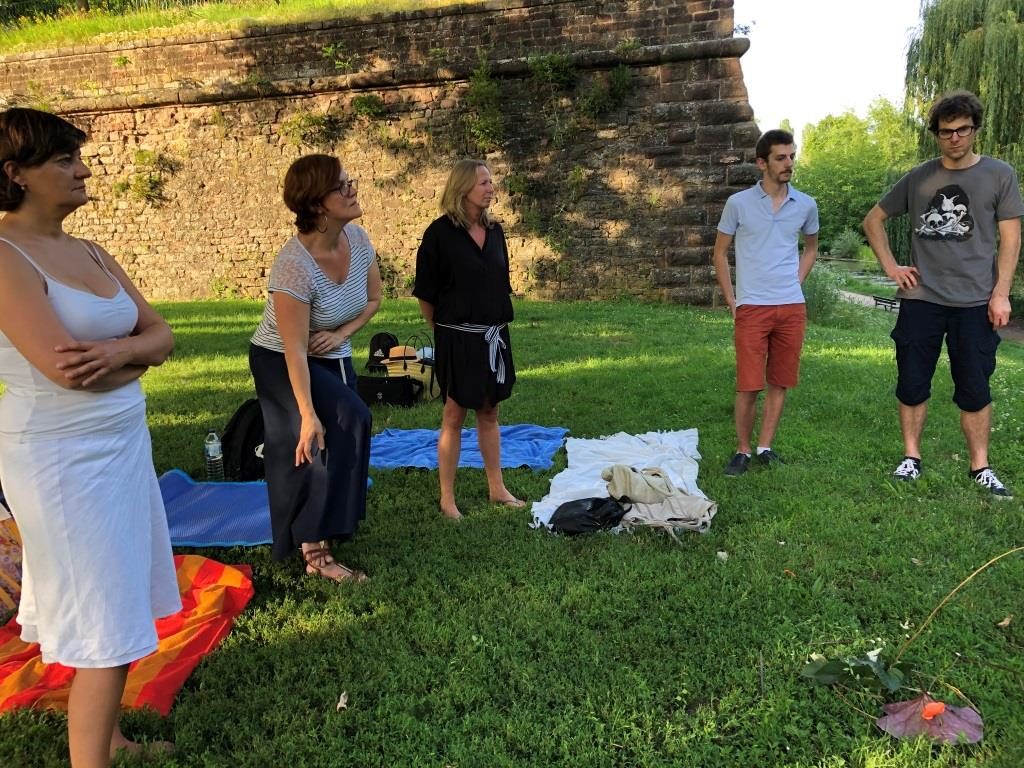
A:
{"x":737,"y":465}
{"x":987,"y":479}
{"x":769,"y":458}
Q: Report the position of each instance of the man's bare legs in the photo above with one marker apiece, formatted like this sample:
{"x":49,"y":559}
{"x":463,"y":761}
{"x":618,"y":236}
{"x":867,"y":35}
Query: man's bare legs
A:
{"x":746,"y":411}
{"x":912,"y":420}
{"x":977,"y":427}
{"x":771,"y":413}
{"x":449,"y":445}
{"x":746,"y":414}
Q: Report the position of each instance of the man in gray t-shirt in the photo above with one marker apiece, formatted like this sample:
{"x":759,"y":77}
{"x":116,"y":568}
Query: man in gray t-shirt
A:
{"x":964,"y":212}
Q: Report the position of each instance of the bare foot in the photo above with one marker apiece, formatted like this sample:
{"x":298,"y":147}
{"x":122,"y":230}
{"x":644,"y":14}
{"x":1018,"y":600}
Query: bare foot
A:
{"x":120,"y":743}
{"x":509,"y":501}
{"x":452,"y":512}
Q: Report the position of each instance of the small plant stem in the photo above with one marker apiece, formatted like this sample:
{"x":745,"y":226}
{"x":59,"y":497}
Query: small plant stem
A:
{"x":760,"y":668}
{"x":946,"y":599}
{"x":961,"y":694}
{"x":853,"y":706}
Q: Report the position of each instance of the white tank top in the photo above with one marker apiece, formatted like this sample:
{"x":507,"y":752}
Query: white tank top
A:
{"x":33,"y":407}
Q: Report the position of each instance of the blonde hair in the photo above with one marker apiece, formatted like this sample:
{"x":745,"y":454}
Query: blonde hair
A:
{"x":460,"y":183}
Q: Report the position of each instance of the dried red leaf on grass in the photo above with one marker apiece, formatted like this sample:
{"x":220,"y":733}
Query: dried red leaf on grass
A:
{"x":934,"y":719}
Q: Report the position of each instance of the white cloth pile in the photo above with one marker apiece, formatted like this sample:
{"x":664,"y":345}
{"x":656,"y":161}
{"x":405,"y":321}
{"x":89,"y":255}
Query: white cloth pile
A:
{"x":674,"y":452}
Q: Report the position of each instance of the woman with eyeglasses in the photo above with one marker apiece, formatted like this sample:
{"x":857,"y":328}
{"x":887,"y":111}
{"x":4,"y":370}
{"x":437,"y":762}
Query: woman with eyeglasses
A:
{"x":324,"y":286}
{"x":75,"y":337}
{"x":462,"y":283}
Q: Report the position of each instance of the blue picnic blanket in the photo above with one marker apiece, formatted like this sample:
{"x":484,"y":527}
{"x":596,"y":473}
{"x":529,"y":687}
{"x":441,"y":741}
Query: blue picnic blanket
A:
{"x":522,"y":445}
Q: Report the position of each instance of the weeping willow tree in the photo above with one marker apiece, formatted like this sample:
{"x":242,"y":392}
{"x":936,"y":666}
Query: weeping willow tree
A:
{"x":977,"y":45}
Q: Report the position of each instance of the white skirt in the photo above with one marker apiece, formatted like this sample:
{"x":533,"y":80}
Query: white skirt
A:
{"x":97,"y":565}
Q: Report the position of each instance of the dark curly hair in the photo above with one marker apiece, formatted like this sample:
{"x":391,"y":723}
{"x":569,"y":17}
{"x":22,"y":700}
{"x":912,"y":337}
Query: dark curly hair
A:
{"x":29,"y":138}
{"x":308,"y":181}
{"x":955,"y":104}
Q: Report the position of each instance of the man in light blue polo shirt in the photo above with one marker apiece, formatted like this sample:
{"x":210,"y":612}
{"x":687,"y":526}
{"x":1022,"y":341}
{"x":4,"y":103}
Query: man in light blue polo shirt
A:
{"x":768,"y":309}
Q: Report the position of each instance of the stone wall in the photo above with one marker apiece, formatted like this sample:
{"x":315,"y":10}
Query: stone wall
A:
{"x":601,"y":195}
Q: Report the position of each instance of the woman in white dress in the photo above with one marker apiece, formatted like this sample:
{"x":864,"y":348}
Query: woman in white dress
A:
{"x":75,"y":454}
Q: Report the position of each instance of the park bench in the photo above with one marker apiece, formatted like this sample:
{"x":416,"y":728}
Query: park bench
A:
{"x":889,"y":305}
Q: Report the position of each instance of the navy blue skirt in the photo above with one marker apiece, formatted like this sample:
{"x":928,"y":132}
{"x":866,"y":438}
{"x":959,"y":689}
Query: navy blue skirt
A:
{"x":324,"y":500}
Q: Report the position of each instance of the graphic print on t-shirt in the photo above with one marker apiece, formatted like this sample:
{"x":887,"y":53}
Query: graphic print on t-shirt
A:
{"x":948,"y":216}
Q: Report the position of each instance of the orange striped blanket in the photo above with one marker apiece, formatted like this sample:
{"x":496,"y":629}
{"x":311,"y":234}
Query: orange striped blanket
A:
{"x":10,"y":567}
{"x":212,"y":595}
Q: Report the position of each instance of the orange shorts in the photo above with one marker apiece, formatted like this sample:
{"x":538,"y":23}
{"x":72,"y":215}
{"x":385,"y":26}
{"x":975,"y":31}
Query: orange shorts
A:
{"x":768,"y":343}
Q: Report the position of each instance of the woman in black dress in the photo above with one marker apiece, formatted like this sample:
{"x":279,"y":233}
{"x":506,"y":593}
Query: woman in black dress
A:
{"x":464,"y":292}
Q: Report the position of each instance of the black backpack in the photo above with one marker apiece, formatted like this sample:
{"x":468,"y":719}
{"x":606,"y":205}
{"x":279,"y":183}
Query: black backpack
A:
{"x":380,"y":348}
{"x":242,"y":437}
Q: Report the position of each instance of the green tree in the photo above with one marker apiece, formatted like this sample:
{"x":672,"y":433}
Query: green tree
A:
{"x":847,"y":163}
{"x":977,"y":45}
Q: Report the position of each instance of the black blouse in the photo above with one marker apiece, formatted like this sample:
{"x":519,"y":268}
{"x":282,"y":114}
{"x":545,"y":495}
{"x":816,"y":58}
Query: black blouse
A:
{"x":464,"y":282}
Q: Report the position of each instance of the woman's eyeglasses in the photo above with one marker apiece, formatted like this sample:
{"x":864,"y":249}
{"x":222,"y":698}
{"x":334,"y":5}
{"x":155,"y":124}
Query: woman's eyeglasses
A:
{"x":347,"y":188}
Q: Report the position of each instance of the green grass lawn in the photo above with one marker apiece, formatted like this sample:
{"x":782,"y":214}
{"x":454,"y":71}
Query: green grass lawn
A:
{"x":486,"y":643}
{"x":100,"y":26}
{"x":857,"y":284}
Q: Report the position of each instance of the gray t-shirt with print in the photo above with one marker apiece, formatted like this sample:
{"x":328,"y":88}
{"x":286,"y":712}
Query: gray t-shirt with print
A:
{"x":954,"y":216}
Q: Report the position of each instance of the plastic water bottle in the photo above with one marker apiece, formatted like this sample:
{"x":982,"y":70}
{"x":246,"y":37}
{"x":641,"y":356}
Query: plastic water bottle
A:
{"x":214,"y":457}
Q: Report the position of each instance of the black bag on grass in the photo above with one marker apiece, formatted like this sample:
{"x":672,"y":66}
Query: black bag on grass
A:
{"x":389,"y":390}
{"x":243,"y":436}
{"x":586,"y":516}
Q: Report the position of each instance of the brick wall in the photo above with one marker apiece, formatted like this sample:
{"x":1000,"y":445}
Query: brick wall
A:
{"x":190,"y":139}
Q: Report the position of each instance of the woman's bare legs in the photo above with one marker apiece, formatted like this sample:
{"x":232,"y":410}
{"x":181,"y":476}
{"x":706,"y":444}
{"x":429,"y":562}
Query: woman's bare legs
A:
{"x":94,"y":707}
{"x":488,"y":434}
{"x":449,"y":444}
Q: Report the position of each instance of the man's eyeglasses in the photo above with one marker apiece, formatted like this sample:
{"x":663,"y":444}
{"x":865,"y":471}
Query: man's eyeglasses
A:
{"x":963,"y":132}
{"x":348,"y":187}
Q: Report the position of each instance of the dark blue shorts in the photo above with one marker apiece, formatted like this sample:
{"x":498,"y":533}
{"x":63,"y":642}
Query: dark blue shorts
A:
{"x":970,"y":340}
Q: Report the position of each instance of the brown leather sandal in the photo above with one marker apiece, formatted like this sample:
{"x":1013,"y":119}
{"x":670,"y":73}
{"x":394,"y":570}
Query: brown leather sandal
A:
{"x":318,"y":559}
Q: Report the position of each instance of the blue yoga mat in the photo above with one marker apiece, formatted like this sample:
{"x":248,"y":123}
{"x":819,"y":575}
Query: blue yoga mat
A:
{"x":238,"y":514}
{"x":522,"y":445}
{"x":215,"y":514}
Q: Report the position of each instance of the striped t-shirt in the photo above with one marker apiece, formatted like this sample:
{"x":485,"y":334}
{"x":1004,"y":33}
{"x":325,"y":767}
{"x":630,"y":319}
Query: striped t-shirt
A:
{"x":331,"y":304}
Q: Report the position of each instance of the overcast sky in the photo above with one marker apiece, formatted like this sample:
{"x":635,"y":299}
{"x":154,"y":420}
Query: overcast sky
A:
{"x":812,"y":58}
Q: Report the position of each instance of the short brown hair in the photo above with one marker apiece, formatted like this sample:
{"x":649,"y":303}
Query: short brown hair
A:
{"x":460,"y":183}
{"x":308,"y":181}
{"x":955,"y":104}
{"x":773,"y":138}
{"x":30,"y":137}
